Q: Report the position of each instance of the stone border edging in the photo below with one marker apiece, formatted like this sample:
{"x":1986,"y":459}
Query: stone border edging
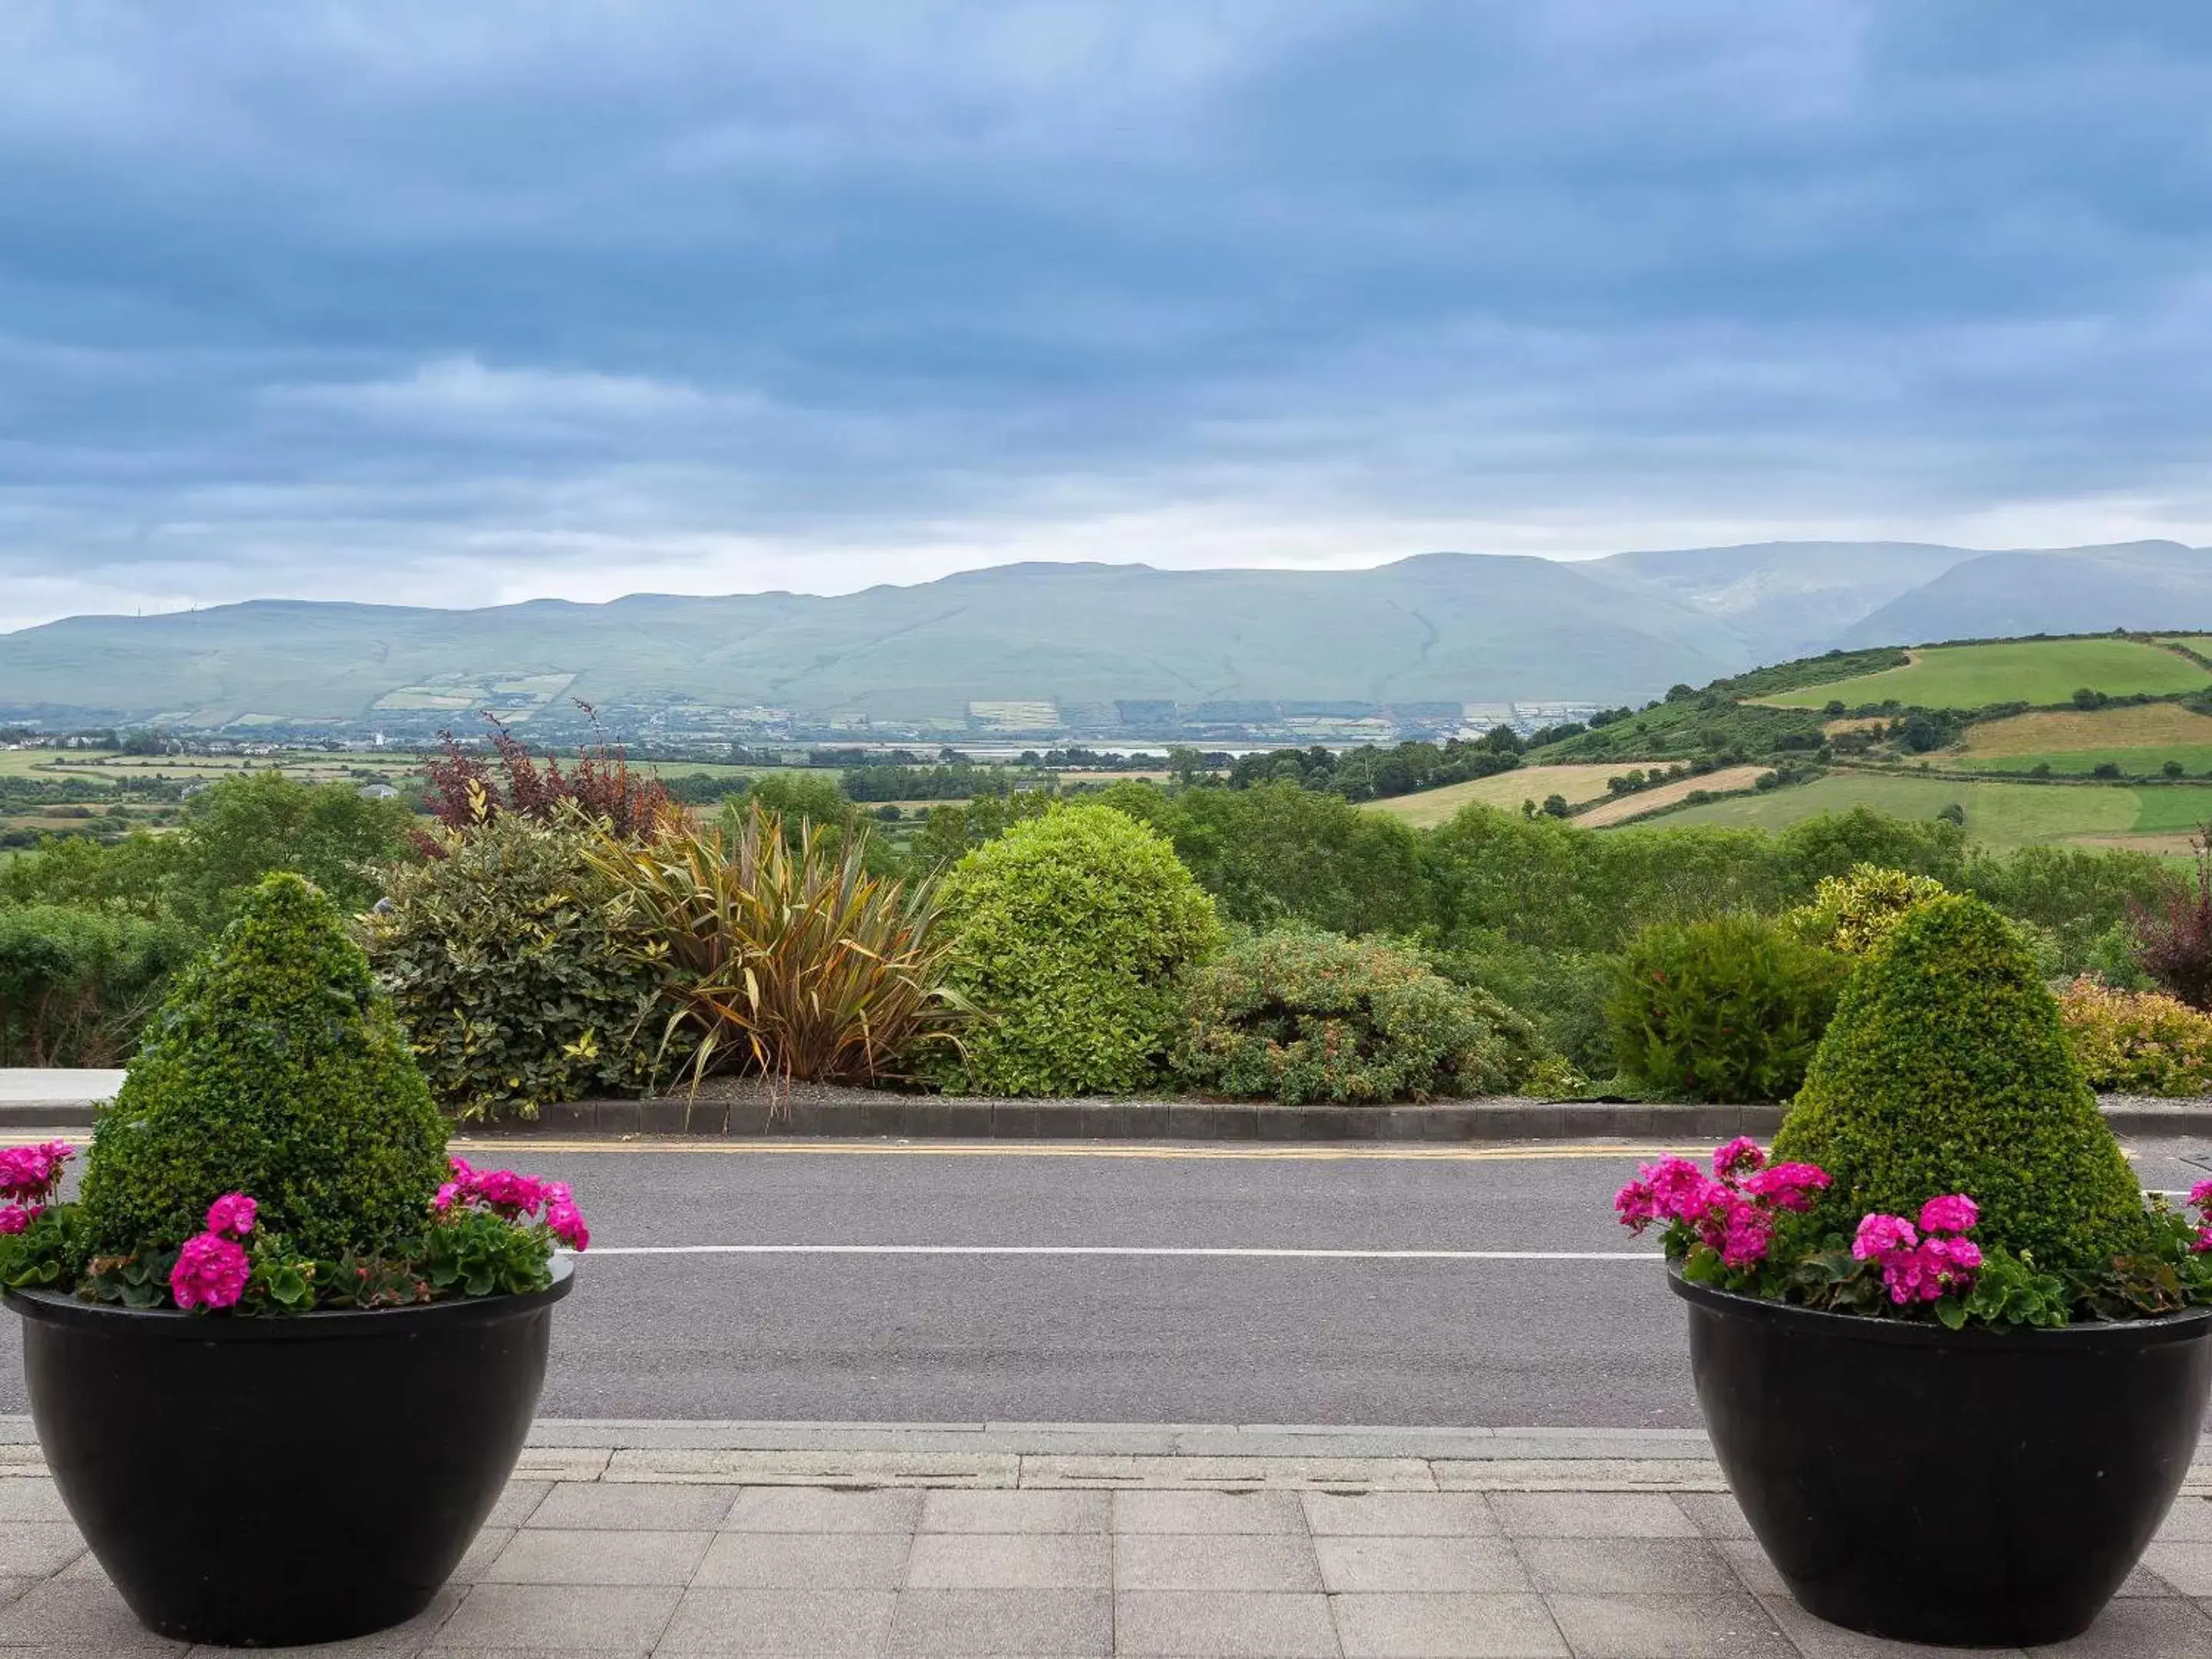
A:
{"x":928,"y":1117}
{"x":1158,"y":1457}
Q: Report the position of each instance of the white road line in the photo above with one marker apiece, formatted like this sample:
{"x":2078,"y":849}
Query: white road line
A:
{"x":1125,"y":1250}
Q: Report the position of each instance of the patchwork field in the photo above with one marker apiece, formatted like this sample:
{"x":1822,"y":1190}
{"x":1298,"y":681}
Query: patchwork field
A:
{"x":1575,"y":784}
{"x":2017,"y":670}
{"x":1650,"y":800}
{"x":1998,"y":815}
{"x":2139,"y":741}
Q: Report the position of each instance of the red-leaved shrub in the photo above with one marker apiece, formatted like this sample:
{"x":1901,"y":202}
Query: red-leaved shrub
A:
{"x":2173,"y":932}
{"x":467,"y":788}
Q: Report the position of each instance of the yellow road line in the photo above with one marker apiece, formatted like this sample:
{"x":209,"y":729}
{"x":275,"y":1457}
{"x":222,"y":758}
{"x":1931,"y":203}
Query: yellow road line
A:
{"x":1285,"y":1153}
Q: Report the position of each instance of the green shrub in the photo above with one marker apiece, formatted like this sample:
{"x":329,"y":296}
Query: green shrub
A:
{"x":1562,"y":993}
{"x":2138,"y":1043}
{"x":76,"y":984}
{"x":507,"y":966}
{"x":1069,"y":932}
{"x":1729,"y":1009}
{"x":1853,"y":914}
{"x":1946,"y":1070}
{"x":277,"y":1068}
{"x":1298,"y":1016}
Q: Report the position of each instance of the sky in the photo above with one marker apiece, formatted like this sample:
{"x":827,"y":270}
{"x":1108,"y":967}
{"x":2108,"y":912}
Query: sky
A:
{"x":457,"y":305}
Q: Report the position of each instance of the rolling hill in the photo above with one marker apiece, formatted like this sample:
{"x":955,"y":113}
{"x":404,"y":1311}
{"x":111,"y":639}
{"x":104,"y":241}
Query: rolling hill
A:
{"x":1438,"y":628}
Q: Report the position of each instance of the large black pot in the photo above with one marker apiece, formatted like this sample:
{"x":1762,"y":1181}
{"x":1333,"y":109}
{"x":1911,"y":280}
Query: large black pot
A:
{"x":1970,"y":1488}
{"x":260,"y":1482}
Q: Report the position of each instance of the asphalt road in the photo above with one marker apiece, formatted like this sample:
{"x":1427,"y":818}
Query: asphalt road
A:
{"x":850,"y":1312}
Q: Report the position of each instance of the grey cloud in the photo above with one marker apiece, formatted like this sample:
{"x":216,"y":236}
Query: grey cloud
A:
{"x":503,"y":297}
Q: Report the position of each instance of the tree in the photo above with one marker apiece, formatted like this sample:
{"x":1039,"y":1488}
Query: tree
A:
{"x":244,"y":828}
{"x":1278,"y":852}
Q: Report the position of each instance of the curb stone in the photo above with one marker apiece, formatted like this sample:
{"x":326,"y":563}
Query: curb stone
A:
{"x":1074,"y":1456}
{"x":62,"y":1100}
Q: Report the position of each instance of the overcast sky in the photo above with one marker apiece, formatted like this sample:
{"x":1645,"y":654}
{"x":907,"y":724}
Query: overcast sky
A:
{"x":460,"y":303}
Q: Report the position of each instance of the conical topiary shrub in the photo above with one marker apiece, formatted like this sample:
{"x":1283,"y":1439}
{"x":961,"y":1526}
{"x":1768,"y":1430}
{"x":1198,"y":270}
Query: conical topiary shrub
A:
{"x":1946,"y":1070}
{"x":274,"y":1068}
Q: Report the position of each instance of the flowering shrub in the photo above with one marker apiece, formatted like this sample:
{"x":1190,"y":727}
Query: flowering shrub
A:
{"x":483,"y":1233}
{"x":2137,"y":1041}
{"x":1748,"y":1228}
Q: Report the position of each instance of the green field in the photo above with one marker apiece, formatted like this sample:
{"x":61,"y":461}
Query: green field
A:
{"x":2195,"y":760}
{"x":2019,"y":671}
{"x":1999,"y":815}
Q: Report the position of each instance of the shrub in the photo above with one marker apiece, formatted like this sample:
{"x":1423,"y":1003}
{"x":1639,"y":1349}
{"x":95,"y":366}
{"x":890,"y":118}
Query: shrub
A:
{"x":2173,"y":932}
{"x":1070,"y":932}
{"x":1947,"y":1069}
{"x":1562,"y":993}
{"x":783,"y":955}
{"x":1296,"y":1016}
{"x":76,"y":984}
{"x":465,"y":788}
{"x":275,"y":1067}
{"x":2138,"y":1042}
{"x":1728,"y":1009}
{"x":1852,"y":914}
{"x":505,"y":961}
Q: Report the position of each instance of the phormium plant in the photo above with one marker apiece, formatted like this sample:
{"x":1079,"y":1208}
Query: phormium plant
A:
{"x":781,"y":956}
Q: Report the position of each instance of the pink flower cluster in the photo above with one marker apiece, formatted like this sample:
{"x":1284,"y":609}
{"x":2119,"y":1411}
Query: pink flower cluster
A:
{"x":211,"y":1268}
{"x":1921,"y":1264}
{"x":516,"y":1197}
{"x":28,"y":1175}
{"x":1732,"y":1210}
{"x":2200,"y":1200}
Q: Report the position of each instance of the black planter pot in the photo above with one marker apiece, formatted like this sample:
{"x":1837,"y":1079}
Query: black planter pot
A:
{"x":260,"y":1482}
{"x":1968,"y":1488}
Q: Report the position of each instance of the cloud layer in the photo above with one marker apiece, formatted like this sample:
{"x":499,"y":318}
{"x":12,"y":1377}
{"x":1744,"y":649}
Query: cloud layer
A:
{"x":405,"y":300}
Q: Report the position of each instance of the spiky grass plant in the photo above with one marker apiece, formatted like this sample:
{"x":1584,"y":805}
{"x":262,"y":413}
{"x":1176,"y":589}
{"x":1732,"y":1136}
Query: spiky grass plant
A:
{"x":785,"y":956}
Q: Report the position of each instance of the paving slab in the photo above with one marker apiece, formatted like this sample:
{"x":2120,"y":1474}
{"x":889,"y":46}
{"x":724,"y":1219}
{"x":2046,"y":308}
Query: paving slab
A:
{"x":642,"y":1553}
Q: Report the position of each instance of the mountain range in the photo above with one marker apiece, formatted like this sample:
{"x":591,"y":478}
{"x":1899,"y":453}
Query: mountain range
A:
{"x":1438,"y":626}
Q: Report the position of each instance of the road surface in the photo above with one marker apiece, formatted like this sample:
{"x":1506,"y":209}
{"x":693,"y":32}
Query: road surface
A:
{"x":1014,"y":1282}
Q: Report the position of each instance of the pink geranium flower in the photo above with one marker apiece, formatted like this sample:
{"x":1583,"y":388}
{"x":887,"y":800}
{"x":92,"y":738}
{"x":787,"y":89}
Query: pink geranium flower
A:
{"x":210,"y":1272}
{"x":509,"y":1193}
{"x":566,"y":1223}
{"x":31,"y":1173}
{"x":1739,"y":1155}
{"x":1636,"y":1206}
{"x":1788,"y":1185}
{"x":16,"y":1217}
{"x":1954,"y":1212}
{"x":1745,"y":1231}
{"x":1880,"y":1235}
{"x":232,"y":1214}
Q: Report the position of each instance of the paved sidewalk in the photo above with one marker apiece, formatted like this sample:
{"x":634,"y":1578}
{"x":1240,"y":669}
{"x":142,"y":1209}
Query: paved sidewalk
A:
{"x":973,"y":1539}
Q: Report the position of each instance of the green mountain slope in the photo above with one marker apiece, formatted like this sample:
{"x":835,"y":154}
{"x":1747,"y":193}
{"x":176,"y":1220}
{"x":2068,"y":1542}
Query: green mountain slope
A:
{"x":1442,"y":626}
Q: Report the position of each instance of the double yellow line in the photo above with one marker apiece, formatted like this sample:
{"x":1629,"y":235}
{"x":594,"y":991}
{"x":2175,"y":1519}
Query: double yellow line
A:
{"x":1287,"y":1153}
